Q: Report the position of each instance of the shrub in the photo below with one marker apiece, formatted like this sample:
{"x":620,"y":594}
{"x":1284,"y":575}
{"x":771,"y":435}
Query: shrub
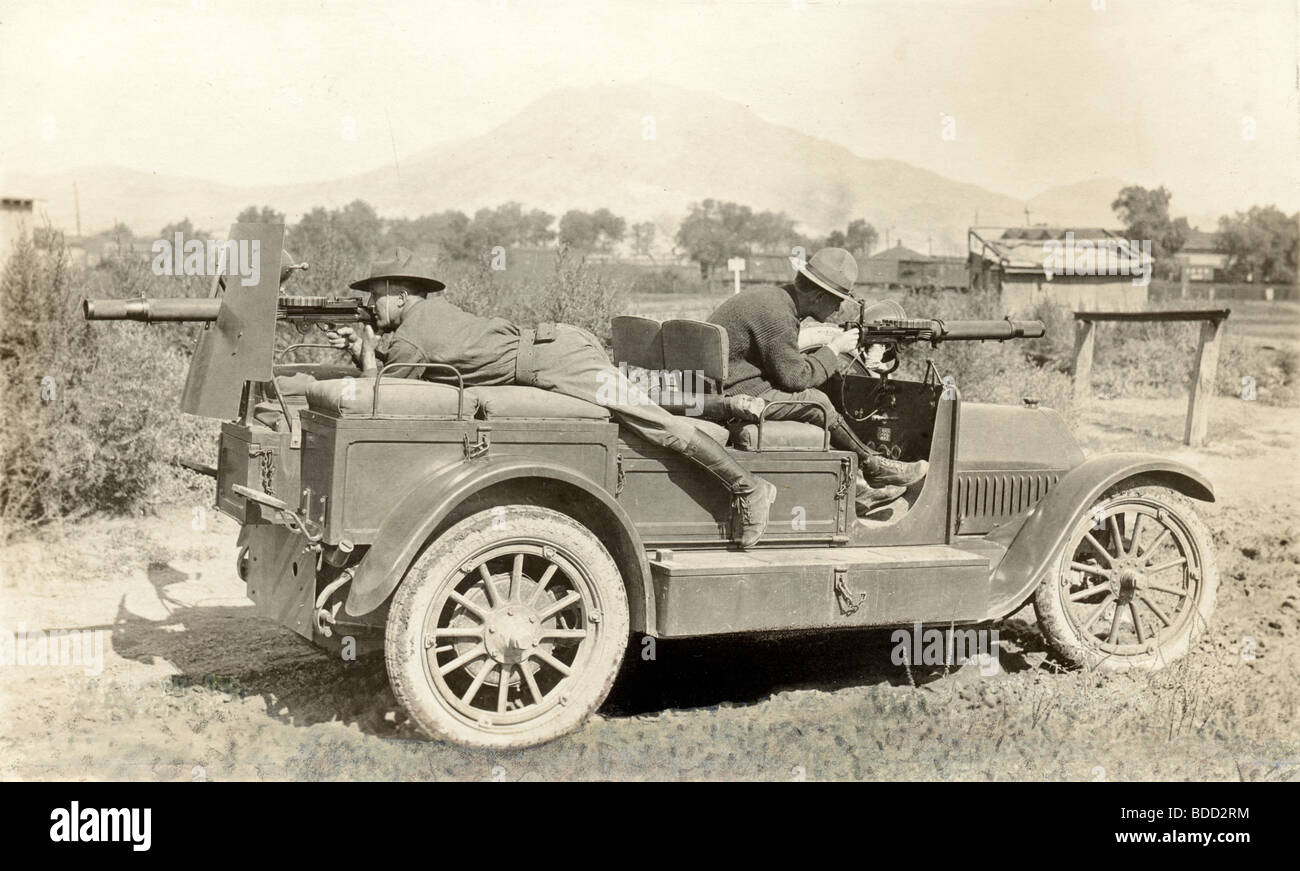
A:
{"x":90,"y":424}
{"x":573,"y":293}
{"x":1001,"y":372}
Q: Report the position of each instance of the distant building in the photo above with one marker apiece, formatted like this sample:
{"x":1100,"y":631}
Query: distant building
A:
{"x":1200,"y":257}
{"x":901,"y":267}
{"x":896,"y":265}
{"x":1081,"y":268}
{"x":15,"y":220}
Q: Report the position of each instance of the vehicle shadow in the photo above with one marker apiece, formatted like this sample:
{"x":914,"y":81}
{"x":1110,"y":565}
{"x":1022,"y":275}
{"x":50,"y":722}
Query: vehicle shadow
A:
{"x":221,"y":647}
{"x":742,"y":670}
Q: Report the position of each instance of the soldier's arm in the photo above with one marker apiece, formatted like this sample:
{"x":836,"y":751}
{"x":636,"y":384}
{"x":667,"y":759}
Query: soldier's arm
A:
{"x":784,"y":364}
{"x":400,"y":350}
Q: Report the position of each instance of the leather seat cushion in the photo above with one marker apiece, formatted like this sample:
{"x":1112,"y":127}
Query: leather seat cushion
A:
{"x":779,"y":434}
{"x":532,"y":402}
{"x":398,"y":397}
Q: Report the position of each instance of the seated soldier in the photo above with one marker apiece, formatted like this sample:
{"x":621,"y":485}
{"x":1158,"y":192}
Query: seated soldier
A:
{"x":419,"y":326}
{"x":765,"y":361}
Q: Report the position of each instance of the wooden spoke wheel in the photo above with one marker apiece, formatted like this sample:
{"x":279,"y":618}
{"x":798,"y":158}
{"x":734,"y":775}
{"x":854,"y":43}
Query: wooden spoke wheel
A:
{"x":1134,"y":585}
{"x":509,"y":629}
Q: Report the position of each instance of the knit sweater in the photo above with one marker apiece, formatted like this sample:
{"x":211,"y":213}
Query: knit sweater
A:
{"x":763,"y":344}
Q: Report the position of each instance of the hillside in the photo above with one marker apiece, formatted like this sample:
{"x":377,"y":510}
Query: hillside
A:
{"x":644,"y":152}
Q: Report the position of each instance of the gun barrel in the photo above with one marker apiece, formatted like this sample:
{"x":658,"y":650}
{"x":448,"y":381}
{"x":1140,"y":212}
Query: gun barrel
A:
{"x":152,"y":311}
{"x":1005,"y":329}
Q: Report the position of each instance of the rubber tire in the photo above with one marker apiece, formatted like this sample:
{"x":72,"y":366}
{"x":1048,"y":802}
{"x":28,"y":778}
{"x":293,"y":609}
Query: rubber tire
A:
{"x":440,"y":562}
{"x":1059,"y":631}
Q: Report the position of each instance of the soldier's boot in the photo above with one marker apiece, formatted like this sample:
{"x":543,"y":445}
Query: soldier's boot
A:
{"x":751,"y":496}
{"x":883,"y":471}
{"x":867,"y":498}
{"x":879,"y":471}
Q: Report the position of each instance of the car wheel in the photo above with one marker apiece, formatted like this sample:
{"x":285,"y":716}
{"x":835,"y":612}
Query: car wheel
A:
{"x":508,"y":630}
{"x":1134,"y":585}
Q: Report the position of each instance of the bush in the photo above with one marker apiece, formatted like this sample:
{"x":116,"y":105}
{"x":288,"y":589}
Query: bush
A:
{"x":666,"y":280}
{"x":1000,"y":372}
{"x":91,"y":424}
{"x":574,"y":293}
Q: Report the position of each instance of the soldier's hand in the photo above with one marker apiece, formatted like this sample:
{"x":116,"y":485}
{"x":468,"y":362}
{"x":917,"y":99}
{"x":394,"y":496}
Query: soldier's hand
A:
{"x":345,"y":339}
{"x":845,"y":342}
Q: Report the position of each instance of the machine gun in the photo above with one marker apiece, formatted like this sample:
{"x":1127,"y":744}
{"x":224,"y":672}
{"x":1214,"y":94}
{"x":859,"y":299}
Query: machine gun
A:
{"x":885,"y":324}
{"x":358,"y":308}
{"x":294,"y":309}
{"x":237,"y":343}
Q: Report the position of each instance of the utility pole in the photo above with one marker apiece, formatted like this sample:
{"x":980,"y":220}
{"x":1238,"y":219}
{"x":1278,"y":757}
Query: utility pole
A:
{"x":76,"y":203}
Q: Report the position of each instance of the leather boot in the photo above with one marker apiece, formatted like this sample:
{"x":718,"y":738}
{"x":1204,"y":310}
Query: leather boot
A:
{"x":867,"y":498}
{"x":882,"y":471}
{"x":879,"y":471}
{"x":751,"y":496}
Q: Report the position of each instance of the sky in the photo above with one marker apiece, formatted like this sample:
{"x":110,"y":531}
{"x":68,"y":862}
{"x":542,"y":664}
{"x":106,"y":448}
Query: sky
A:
{"x":1200,"y":97}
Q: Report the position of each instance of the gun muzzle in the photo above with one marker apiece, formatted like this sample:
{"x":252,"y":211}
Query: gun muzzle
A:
{"x":992,"y":330}
{"x":152,"y":311}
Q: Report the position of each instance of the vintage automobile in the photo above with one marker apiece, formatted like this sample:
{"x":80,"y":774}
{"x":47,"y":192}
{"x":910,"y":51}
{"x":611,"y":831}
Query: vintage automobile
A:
{"x":502,"y":544}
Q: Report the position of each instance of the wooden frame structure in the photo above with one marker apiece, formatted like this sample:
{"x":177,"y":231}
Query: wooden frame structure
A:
{"x":1207,"y":358}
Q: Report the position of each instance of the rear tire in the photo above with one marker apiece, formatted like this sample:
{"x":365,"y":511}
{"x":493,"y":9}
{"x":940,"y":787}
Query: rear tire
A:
{"x":508,"y":631}
{"x":1134,"y":585}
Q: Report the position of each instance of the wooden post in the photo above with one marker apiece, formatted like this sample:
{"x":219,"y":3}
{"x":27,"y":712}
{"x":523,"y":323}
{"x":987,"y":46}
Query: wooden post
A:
{"x":1084,"y":336}
{"x":1184,"y":283}
{"x":1202,"y":388}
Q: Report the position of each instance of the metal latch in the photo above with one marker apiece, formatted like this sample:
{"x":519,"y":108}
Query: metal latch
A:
{"x":848,"y":601}
{"x":481,"y":447}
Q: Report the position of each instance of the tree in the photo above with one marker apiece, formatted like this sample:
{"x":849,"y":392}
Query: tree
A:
{"x":264,"y":215}
{"x":643,"y":239}
{"x":1262,"y":244}
{"x":858,"y":239}
{"x":119,"y":232}
{"x":184,"y":227}
{"x":1145,"y":214}
{"x":599,"y":231}
{"x":714,"y":231}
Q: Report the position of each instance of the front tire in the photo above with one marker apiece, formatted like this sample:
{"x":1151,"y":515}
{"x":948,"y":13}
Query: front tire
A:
{"x":508,"y":630}
{"x":1134,"y":585}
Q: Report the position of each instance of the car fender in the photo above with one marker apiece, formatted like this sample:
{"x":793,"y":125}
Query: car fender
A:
{"x":418,"y":512}
{"x":1044,"y":531}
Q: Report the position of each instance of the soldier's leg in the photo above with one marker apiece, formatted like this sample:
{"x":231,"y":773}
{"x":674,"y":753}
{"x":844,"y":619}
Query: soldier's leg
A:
{"x":575,"y":365}
{"x":878,"y":470}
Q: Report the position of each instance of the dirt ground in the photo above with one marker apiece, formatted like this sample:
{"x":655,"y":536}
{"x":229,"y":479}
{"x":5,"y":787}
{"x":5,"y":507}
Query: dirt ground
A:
{"x":193,"y":687}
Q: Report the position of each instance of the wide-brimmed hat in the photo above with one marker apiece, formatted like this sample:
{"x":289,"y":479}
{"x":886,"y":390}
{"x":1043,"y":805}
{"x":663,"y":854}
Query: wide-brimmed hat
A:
{"x":403,"y":264}
{"x":832,"y":269}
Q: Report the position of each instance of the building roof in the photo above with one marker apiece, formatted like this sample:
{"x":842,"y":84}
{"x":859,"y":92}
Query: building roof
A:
{"x":1026,"y":249}
{"x":898,"y":252}
{"x":1199,"y":240}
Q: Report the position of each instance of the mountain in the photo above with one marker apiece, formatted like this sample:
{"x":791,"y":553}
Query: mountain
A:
{"x":1082,"y":204}
{"x":644,"y":152}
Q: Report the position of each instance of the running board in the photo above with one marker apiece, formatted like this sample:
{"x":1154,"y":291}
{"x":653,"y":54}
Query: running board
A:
{"x":719,"y":592}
